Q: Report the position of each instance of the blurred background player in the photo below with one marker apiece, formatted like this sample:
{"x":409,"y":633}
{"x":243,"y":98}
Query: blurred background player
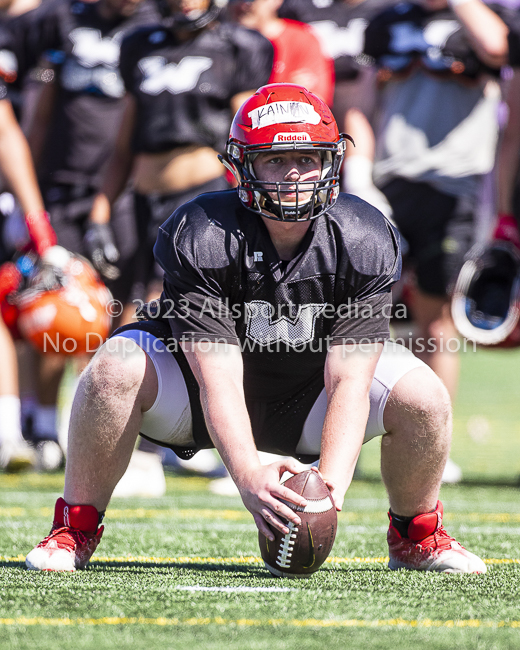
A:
{"x":298,"y":54}
{"x":340,"y":25}
{"x":73,"y":133}
{"x":19,"y":176}
{"x":508,"y":169}
{"x":184,"y":79}
{"x":436,"y":138}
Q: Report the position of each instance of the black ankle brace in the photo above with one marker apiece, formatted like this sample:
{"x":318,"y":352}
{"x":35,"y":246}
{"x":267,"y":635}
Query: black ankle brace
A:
{"x":400,"y":523}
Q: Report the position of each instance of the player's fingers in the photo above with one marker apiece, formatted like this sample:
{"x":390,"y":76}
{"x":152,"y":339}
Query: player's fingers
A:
{"x":275,"y":522}
{"x":280,"y":509}
{"x":290,"y":465}
{"x":336,"y":497}
{"x":287,"y":494}
{"x":263,"y":527}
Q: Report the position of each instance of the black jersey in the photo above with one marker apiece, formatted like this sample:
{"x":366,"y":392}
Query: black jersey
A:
{"x":224,"y":282}
{"x":183,"y":90}
{"x":341,"y":28}
{"x":84,"y":48}
{"x":408,"y":35}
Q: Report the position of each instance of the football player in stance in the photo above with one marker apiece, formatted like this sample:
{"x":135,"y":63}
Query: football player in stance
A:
{"x":269,"y":335}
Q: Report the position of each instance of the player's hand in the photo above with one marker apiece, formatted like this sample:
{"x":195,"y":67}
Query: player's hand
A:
{"x":264,"y":496}
{"x":506,"y":229}
{"x":337,"y":494}
{"x":101,"y":249}
{"x":40,"y":231}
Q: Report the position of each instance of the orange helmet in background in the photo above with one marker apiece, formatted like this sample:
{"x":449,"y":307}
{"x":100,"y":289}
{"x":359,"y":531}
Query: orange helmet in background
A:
{"x":64,"y":308}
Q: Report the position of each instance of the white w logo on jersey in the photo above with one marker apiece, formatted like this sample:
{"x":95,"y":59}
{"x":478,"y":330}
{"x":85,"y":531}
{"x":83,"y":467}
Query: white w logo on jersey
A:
{"x":264,"y":328}
{"x":174,"y":77}
{"x":91,"y":49}
{"x":339,"y":41}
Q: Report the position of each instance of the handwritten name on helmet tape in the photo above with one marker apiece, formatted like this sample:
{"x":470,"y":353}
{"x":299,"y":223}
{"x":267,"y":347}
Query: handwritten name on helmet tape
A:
{"x":283,"y":113}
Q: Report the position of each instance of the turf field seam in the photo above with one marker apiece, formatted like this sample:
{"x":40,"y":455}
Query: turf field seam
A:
{"x":252,"y":622}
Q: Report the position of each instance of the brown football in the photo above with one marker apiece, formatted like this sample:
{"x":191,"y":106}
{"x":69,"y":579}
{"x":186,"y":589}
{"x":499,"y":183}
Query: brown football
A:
{"x":305,"y":548}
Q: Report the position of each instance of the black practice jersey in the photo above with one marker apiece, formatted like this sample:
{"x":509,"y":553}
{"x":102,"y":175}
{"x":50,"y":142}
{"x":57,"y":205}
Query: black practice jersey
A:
{"x":84,"y":47}
{"x":224,"y":282}
{"x":341,"y":28}
{"x":407,"y":35}
{"x":183,"y":89}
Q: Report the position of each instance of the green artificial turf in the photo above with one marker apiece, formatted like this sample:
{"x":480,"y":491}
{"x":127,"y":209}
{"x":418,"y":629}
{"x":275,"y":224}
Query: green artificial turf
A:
{"x":486,"y":422}
{"x":145,"y":584}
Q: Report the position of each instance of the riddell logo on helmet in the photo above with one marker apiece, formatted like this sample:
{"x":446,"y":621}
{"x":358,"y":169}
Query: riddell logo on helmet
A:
{"x":292,"y":137}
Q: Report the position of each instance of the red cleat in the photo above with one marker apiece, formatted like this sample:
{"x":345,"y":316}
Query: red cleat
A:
{"x":430,"y":548}
{"x":72,"y":541}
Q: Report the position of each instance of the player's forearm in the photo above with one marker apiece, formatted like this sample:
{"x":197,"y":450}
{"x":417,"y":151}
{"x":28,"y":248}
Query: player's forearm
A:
{"x":343,"y":432}
{"x":16,"y":163}
{"x":229,"y":426}
{"x":219,"y":373}
{"x":486,"y":31}
{"x":116,"y":179}
{"x":349,"y":371}
{"x":119,"y":167}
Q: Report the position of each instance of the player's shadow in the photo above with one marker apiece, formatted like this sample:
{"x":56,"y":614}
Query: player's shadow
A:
{"x":136,"y":566}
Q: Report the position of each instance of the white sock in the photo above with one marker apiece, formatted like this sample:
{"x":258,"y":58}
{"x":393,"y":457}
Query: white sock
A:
{"x":45,"y":422}
{"x":10,"y":419}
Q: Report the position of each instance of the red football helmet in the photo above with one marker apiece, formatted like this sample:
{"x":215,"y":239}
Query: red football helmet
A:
{"x":64,"y":308}
{"x":285,"y":117}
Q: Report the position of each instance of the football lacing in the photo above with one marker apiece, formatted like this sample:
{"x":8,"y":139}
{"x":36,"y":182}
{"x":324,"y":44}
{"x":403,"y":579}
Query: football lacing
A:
{"x":287,"y":546}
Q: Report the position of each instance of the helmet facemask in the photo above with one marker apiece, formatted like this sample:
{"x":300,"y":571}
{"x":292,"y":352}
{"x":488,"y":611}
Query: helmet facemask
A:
{"x":257,"y":194}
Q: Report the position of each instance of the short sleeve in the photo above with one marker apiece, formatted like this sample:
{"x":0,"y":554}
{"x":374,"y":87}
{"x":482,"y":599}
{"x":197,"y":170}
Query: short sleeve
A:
{"x":364,"y":321}
{"x":194,"y":301}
